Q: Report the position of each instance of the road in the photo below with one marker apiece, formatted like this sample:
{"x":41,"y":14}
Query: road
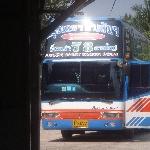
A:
{"x":52,"y":140}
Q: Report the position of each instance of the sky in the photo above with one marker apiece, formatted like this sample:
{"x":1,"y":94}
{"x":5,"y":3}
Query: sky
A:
{"x":101,"y":8}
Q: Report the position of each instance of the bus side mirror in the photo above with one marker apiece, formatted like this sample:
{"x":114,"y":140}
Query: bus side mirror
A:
{"x":124,"y":67}
{"x":120,"y":64}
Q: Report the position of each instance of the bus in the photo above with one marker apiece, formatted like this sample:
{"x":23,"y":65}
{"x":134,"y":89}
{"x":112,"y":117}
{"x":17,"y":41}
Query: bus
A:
{"x":95,"y":77}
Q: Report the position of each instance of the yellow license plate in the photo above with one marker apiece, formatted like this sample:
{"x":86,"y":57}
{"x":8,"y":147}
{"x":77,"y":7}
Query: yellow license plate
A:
{"x":80,"y":123}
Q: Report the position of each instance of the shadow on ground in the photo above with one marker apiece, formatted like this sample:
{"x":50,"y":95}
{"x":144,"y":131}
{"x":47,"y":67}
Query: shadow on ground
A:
{"x":139,"y":136}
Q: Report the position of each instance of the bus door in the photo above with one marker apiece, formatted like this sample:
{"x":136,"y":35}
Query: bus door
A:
{"x":137,"y":96}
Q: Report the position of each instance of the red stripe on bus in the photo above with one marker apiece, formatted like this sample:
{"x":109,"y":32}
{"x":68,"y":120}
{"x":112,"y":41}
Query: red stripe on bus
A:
{"x":146,"y":108}
{"x":88,"y":114}
{"x":142,"y":105}
{"x":80,"y":110}
{"x":135,"y":105}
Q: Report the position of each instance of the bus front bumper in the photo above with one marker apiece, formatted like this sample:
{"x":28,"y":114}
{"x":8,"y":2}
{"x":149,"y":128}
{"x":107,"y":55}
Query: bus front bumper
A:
{"x":91,"y":125}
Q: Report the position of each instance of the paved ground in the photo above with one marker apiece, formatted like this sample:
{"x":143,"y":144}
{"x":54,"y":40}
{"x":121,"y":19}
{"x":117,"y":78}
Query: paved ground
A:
{"x":52,"y":140}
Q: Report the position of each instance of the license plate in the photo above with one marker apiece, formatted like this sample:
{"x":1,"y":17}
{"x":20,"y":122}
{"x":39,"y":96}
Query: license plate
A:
{"x":80,"y":123}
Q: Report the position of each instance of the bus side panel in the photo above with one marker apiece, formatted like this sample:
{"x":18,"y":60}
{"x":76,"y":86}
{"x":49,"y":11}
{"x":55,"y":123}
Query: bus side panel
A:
{"x":137,"y":107}
{"x":138,"y":113}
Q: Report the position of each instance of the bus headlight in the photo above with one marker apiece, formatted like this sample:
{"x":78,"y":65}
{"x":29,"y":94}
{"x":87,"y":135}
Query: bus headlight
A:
{"x":111,"y":115}
{"x":50,"y":115}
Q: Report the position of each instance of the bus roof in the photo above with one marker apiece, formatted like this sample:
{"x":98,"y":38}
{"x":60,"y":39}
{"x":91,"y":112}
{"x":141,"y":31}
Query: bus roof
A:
{"x":92,"y":18}
{"x":78,"y":60}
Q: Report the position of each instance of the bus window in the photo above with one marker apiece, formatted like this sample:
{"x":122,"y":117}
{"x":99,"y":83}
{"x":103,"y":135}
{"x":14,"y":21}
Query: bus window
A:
{"x":81,"y":80}
{"x":135,"y":79}
{"x":65,"y":73}
{"x":145,"y":75}
{"x":96,"y":76}
{"x":139,"y":82}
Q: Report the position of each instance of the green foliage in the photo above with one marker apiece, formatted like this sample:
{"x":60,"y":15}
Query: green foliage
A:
{"x":141,"y":19}
{"x":55,"y":7}
{"x":57,"y":4}
{"x":145,"y":54}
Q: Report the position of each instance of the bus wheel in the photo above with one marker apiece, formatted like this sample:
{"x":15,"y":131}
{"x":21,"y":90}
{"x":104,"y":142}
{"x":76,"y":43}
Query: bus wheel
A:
{"x":129,"y":133}
{"x":66,"y":134}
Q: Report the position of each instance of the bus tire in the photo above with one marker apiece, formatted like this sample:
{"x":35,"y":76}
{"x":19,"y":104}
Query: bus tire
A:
{"x":66,"y":134}
{"x":129,"y":133}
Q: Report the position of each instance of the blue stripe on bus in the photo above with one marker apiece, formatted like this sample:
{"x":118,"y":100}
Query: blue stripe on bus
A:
{"x":138,"y":62}
{"x":135,"y":120}
{"x":125,"y":96}
{"x":92,"y":125}
{"x":138,"y":121}
{"x":145,"y":122}
{"x":131,"y":121}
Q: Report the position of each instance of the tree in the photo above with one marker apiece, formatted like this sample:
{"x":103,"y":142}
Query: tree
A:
{"x":53,"y":13}
{"x":53,"y":9}
{"x":141,"y":19}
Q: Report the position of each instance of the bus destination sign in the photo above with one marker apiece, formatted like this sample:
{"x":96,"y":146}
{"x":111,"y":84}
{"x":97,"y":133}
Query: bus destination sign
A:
{"x":99,"y":39}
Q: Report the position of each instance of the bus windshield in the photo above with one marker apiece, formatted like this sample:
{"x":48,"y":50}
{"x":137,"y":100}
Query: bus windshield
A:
{"x":78,"y":80}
